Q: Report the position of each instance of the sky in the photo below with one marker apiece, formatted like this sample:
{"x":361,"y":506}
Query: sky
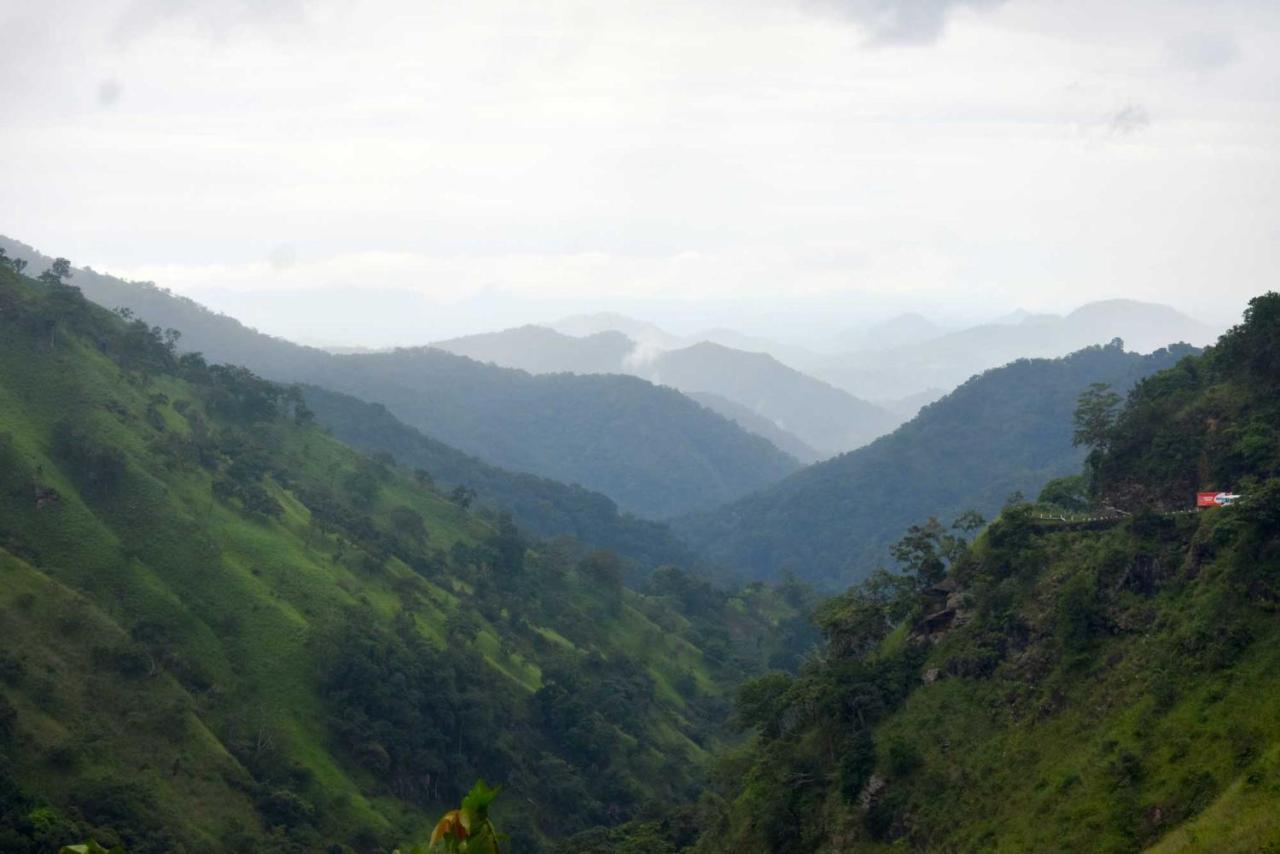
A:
{"x":398,"y":172}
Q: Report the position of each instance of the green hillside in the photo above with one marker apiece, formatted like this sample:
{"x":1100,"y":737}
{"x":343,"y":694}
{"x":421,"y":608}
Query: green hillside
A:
{"x":225,"y":631}
{"x":545,"y":507}
{"x":1006,"y":431}
{"x":651,"y":449}
{"x":1098,"y":686}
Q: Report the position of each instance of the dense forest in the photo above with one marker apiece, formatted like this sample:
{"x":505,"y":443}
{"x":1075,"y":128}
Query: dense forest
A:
{"x":1050,"y":684}
{"x":1005,"y":432}
{"x":651,"y":449}
{"x":543,"y":506}
{"x":225,"y":631}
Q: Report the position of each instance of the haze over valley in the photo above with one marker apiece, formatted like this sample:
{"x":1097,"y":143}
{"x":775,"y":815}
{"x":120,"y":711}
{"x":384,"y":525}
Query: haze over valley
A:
{"x":770,"y":427}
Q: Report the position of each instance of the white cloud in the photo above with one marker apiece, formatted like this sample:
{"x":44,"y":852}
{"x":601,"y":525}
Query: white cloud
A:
{"x":582,"y":154}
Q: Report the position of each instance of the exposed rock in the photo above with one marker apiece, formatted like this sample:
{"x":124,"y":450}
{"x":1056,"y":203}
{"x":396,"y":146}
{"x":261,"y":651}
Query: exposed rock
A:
{"x":931,"y":675}
{"x":871,"y":791}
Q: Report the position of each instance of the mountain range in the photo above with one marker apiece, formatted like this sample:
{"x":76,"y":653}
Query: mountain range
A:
{"x":652,"y":450}
{"x":945,"y":361}
{"x":1006,"y":431}
{"x":809,"y":413}
{"x":224,"y":630}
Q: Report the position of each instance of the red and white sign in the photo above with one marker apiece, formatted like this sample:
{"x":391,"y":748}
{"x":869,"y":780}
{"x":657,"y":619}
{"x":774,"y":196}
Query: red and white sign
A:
{"x":1215,"y":499}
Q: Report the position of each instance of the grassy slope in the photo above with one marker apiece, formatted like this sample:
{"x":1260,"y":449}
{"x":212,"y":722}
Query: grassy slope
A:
{"x":1107,"y":752}
{"x":238,"y":601}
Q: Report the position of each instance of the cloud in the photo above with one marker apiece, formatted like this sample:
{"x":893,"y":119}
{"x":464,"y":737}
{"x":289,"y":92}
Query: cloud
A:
{"x":1203,"y":50}
{"x":1129,"y":119}
{"x":216,"y":20}
{"x":899,"y":22}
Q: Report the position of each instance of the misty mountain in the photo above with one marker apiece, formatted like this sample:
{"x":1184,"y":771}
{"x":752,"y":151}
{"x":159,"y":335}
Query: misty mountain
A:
{"x":824,"y":417}
{"x":950,"y":359}
{"x":906,"y":408}
{"x":900,"y":331}
{"x":543,"y":506}
{"x":640,"y":331}
{"x":1008,"y":430}
{"x":753,"y":422}
{"x":540,"y":350}
{"x":651,"y":449}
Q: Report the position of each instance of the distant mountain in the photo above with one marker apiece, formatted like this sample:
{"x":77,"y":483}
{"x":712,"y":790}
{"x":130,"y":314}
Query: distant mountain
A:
{"x":900,"y":331}
{"x":640,"y":331}
{"x":824,"y":417}
{"x":753,"y":422}
{"x":543,"y":506}
{"x":1007,"y":430}
{"x":540,"y":350}
{"x":653,"y":450}
{"x":908,"y":407}
{"x":950,"y":359}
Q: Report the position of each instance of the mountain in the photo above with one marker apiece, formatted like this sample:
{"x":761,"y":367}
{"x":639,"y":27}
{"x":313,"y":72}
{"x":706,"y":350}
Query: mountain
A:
{"x":652,"y":450}
{"x":226,"y":631}
{"x":1104,"y":683}
{"x":822,"y":416}
{"x":640,"y":331}
{"x":908,"y":407}
{"x":545,"y":507}
{"x":1008,"y":430}
{"x":540,"y":350}
{"x":900,"y":331}
{"x":753,"y":422}
{"x":819,"y":415}
{"x":950,"y":359}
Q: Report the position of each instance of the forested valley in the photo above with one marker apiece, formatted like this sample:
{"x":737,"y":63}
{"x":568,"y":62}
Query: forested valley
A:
{"x":225,"y":630}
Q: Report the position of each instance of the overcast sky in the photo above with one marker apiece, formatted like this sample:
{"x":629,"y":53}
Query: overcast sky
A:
{"x":397,"y":172}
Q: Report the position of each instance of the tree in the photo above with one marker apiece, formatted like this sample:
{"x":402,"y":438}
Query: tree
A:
{"x":927,"y":551}
{"x":1069,"y":493}
{"x":1094,"y":416}
{"x":408,"y":522}
{"x":462,"y":496}
{"x":59,"y":270}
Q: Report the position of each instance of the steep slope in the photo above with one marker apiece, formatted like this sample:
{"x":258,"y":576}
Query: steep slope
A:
{"x":1102,"y":686}
{"x":820,"y":415}
{"x":1006,"y":431}
{"x":224,"y":630}
{"x":545,"y":507}
{"x":652,"y":450}
{"x":950,"y":359}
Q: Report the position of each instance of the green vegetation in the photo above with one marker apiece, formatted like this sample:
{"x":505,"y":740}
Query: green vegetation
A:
{"x":649,"y":448}
{"x":545,"y":507}
{"x":1100,"y":687}
{"x":1008,"y":430}
{"x":226,"y":631}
